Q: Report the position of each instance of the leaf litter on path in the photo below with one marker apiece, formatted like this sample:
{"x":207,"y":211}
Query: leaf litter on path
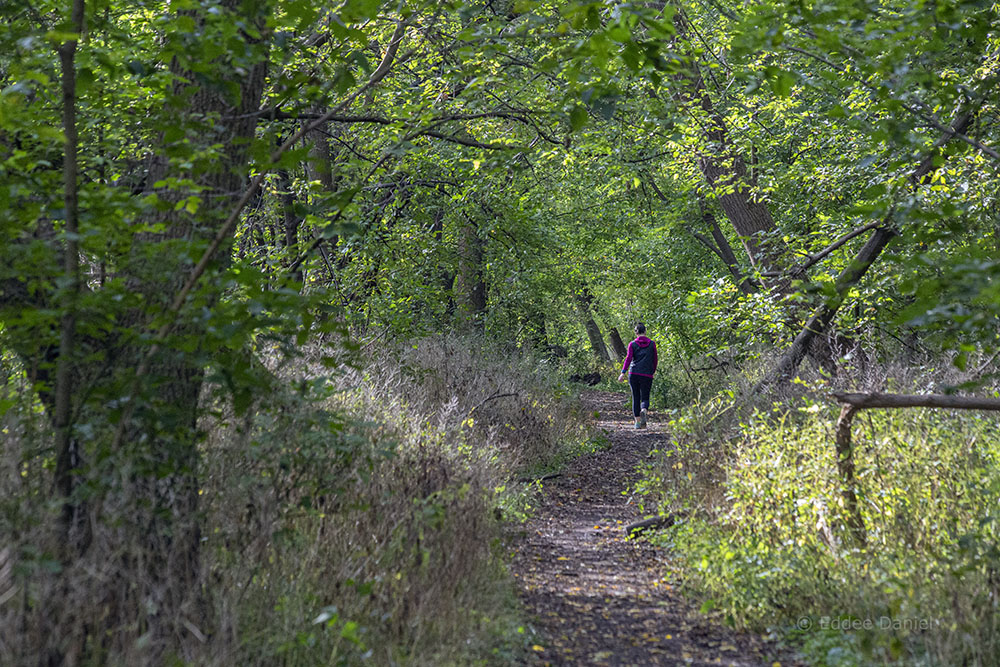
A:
{"x":599,"y":599}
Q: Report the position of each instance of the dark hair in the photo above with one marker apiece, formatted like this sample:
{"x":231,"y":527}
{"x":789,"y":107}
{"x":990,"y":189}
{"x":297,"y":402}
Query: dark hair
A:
{"x":640,"y":328}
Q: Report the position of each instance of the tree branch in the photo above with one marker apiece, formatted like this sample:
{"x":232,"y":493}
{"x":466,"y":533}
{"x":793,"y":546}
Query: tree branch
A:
{"x":278,"y":114}
{"x":879,"y":400}
{"x":816,"y":257}
{"x":918,"y":108}
{"x":467,"y":142}
{"x":823,"y":315}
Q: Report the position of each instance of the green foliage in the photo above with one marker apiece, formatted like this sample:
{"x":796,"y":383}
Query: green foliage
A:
{"x":487,"y":170}
{"x":775,"y":551}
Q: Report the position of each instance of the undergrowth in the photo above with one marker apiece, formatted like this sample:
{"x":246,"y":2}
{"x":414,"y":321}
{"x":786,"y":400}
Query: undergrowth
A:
{"x":764,"y":541}
{"x":350,"y":517}
{"x":395,"y":558}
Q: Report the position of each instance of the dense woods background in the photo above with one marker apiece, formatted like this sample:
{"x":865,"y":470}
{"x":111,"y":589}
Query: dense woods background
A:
{"x":289,"y":291}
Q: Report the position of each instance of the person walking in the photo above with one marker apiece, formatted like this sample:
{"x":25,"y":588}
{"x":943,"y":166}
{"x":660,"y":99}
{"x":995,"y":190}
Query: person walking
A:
{"x":640,"y":366}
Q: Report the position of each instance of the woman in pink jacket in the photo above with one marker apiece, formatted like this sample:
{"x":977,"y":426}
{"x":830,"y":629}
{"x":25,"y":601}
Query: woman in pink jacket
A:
{"x":640,"y":366}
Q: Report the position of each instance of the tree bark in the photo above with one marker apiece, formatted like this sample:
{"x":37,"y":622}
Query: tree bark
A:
{"x":652,"y":523}
{"x":584,"y":300}
{"x":67,"y":454}
{"x":726,"y":254}
{"x":725,"y":171}
{"x":879,"y":400}
{"x":470,"y":286}
{"x":291,"y":222}
{"x":445,"y":278}
{"x":617,"y":344}
{"x":845,"y":469}
{"x":320,"y":165}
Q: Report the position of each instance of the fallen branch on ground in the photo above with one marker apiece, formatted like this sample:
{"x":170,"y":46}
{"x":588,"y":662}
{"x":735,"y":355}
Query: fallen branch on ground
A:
{"x":652,"y":523}
{"x":532,"y":480}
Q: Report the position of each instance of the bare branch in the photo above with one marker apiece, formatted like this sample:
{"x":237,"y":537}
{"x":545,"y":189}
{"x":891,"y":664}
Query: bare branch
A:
{"x":822,"y":254}
{"x":878,"y":400}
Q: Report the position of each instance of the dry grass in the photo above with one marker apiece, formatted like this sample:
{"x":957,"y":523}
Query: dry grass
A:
{"x":345,"y":519}
{"x":399,"y":555}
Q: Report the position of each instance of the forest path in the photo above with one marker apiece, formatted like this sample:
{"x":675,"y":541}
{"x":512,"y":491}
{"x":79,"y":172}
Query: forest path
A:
{"x":599,"y":599}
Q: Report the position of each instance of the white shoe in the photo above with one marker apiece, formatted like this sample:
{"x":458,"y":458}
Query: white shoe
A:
{"x":642,"y":418}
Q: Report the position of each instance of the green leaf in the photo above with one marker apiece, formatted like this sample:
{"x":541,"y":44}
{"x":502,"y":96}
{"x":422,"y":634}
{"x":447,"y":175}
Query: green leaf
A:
{"x":355,"y":11}
{"x":875,"y":191}
{"x":84,"y":79}
{"x":781,"y":82}
{"x":350,"y":632}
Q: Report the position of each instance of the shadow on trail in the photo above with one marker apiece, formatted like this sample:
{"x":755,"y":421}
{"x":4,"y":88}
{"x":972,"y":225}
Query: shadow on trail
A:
{"x":598,"y":599}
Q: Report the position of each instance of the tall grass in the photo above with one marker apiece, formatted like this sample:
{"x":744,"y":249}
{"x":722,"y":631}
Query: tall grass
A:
{"x":767,"y":541}
{"x":352,"y":517}
{"x":399,"y":561}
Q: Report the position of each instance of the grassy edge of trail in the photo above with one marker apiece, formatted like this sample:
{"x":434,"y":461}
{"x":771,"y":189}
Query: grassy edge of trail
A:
{"x":361,"y":520}
{"x":765,"y":543}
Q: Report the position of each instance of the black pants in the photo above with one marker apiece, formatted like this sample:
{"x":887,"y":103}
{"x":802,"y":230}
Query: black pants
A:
{"x":640,"y":392}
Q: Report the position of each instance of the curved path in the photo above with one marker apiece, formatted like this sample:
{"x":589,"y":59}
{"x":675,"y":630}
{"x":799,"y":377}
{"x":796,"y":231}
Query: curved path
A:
{"x":598,"y":599}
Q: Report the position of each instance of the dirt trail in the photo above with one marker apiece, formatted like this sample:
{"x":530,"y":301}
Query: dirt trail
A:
{"x":597,"y":599}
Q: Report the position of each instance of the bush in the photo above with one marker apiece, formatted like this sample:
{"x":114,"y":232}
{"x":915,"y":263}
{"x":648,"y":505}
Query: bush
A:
{"x":773,"y":549}
{"x":374,"y":537}
{"x":346,"y":517}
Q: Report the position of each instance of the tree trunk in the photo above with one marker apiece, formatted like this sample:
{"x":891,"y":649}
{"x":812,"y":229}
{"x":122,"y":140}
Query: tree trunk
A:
{"x":617,"y":344}
{"x":320,"y":165}
{"x":470,"y":287}
{"x":584,"y":300}
{"x":291,"y":222}
{"x":725,"y":252}
{"x":725,"y":171}
{"x":445,"y":278}
{"x":135,"y":475}
{"x":845,"y":469}
{"x":67,"y":448}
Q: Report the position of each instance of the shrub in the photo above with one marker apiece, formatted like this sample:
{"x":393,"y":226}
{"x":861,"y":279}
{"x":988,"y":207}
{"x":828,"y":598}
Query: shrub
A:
{"x":347,"y":516}
{"x":773,"y":550}
{"x":373,"y":535}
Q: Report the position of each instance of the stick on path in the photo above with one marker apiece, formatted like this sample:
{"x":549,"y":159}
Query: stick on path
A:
{"x":597,"y":599}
